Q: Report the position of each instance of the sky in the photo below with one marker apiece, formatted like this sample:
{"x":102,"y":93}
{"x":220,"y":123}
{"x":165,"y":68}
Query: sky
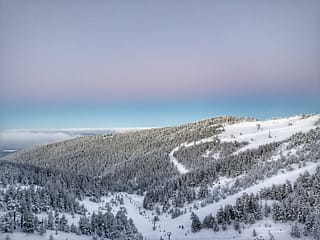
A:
{"x":147,"y":63}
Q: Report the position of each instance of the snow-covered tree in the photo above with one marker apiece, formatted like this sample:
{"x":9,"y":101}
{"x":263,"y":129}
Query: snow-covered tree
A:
{"x":195,"y":224}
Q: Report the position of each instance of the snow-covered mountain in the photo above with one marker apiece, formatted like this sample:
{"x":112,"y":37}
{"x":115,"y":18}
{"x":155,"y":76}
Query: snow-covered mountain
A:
{"x":221,"y":178}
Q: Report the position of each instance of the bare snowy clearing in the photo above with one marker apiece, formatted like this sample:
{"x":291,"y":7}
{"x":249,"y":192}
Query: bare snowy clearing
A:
{"x":264,"y":132}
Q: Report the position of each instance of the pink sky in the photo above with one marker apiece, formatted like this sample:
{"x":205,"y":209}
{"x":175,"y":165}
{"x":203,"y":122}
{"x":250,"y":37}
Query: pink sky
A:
{"x":107,"y":50}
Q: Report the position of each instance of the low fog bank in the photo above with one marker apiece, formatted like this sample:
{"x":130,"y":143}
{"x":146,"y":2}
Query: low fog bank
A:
{"x":17,"y":139}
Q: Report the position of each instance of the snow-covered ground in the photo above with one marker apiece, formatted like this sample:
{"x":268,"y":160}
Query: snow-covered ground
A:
{"x":46,"y":236}
{"x":143,"y":218}
{"x":256,"y":133}
{"x":263,"y":132}
{"x":181,"y":168}
{"x":172,"y":224}
{"x":281,"y":231}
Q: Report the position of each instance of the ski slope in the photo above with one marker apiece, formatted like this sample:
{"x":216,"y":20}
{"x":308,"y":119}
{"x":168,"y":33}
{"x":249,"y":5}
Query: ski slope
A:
{"x":256,"y":133}
{"x":263,"y":132}
{"x":180,"y":167}
{"x":144,"y":223}
{"x":143,"y":218}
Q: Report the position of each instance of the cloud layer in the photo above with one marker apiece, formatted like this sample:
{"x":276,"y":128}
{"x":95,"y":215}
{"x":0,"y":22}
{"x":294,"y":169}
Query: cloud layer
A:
{"x":21,"y":139}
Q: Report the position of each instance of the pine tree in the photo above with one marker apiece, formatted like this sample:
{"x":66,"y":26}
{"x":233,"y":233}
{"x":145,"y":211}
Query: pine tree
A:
{"x":316,"y":226}
{"x":309,"y":223}
{"x":254,"y":233}
{"x":266,"y":210}
{"x":36,"y":223}
{"x":73,"y":228}
{"x":203,"y":191}
{"x":63,"y":224}
{"x":56,"y":219}
{"x":271,"y":236}
{"x":295,"y":231}
{"x":208,"y":221}
{"x":278,"y":212}
{"x":221,"y":216}
{"x":50,"y":220}
{"x":236,"y":225}
{"x":28,"y":223}
{"x":196,"y":224}
{"x":42,"y":229}
{"x":224,"y":226}
{"x":7,"y":224}
{"x":84,"y":225}
{"x":215,"y":227}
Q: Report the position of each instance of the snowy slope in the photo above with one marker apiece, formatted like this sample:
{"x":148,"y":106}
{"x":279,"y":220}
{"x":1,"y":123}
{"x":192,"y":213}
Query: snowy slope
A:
{"x":143,"y":218}
{"x":60,"y":236}
{"x":172,"y":224}
{"x":256,"y":133}
{"x":263,"y":132}
{"x":180,"y":167}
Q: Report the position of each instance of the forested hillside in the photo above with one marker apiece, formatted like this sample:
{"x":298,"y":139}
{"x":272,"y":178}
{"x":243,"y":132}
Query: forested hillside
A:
{"x":136,"y":159}
{"x":129,"y":185}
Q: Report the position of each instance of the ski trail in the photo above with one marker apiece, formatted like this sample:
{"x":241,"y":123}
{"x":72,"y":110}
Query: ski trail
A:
{"x":248,"y":131}
{"x":182,"y":169}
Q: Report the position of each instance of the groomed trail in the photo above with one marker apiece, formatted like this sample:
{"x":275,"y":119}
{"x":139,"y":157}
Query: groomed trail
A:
{"x":256,"y":133}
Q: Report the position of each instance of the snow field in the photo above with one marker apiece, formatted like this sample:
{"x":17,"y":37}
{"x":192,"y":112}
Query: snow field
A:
{"x":263,"y":132}
{"x":256,"y":133}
